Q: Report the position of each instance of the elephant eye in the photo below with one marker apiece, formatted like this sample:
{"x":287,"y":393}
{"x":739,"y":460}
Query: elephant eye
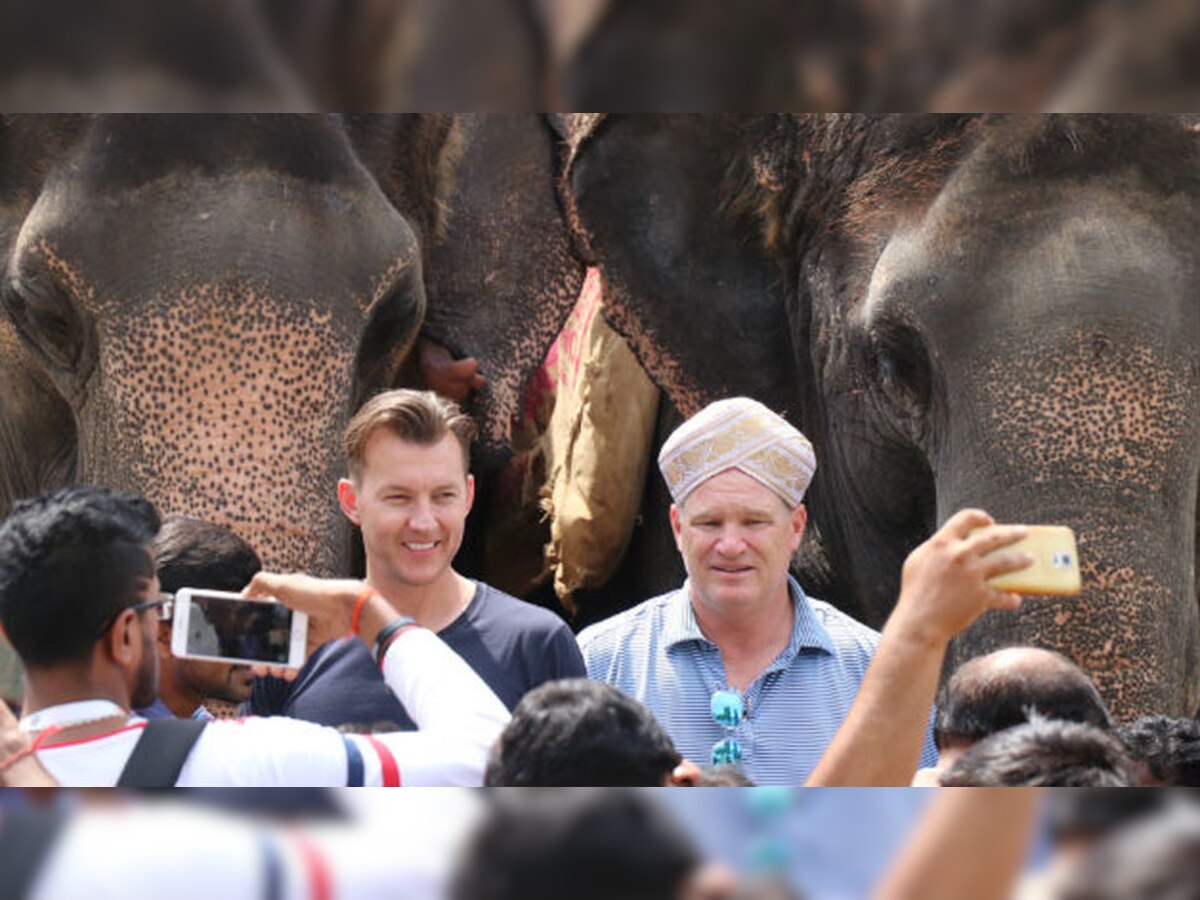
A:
{"x":899,"y":369}
{"x":47,"y":320}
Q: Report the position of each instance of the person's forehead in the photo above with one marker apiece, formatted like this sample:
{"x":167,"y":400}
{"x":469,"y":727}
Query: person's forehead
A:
{"x":732,"y":490}
{"x":387,"y":455}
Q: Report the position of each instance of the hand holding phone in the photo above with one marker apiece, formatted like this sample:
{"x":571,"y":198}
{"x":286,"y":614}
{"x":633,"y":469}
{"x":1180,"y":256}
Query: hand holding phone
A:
{"x":1055,"y":569}
{"x":224,"y":627}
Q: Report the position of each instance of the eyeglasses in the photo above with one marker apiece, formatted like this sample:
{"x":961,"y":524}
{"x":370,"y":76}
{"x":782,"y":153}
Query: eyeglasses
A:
{"x":164,"y":603}
{"x":727,"y":711}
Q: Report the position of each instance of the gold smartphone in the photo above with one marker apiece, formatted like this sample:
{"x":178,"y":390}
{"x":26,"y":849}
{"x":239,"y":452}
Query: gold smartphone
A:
{"x":1055,"y":569}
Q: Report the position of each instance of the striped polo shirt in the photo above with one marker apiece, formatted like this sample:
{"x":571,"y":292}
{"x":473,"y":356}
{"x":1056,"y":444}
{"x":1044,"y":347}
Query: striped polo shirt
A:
{"x":657,"y":654}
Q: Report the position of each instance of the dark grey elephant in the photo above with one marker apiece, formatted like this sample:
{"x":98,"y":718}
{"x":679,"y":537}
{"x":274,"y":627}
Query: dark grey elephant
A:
{"x":194,"y":305}
{"x":960,"y":311}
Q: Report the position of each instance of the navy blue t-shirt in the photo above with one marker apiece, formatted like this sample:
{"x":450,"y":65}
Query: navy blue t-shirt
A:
{"x":514,"y":646}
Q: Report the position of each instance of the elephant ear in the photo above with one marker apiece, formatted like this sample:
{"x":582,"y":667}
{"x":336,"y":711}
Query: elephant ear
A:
{"x":37,"y":427}
{"x":687,"y":281}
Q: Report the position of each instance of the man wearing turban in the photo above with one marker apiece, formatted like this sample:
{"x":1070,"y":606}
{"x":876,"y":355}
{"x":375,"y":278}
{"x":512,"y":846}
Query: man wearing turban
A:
{"x":739,"y":665}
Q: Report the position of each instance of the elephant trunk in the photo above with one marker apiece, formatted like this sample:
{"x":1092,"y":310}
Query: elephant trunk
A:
{"x":1104,"y":438}
{"x":229,"y":406}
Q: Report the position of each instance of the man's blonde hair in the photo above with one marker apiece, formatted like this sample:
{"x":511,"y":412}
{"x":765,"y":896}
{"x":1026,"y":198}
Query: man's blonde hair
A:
{"x":418,"y":417}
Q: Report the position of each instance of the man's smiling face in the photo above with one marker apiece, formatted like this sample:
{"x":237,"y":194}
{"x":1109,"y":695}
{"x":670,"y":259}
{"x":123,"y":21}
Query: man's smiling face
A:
{"x":737,"y":538}
{"x":411,"y":502}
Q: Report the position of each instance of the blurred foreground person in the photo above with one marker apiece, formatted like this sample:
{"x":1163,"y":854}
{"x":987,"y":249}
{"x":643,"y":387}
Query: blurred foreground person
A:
{"x":197,"y":554}
{"x":1009,"y":687}
{"x":78,"y":600}
{"x":974,"y":843}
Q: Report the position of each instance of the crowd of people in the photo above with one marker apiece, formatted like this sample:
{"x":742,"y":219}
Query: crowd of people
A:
{"x":417,"y":675}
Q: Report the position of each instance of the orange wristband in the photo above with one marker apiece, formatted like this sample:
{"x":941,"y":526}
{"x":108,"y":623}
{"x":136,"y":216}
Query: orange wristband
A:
{"x":359,"y":603}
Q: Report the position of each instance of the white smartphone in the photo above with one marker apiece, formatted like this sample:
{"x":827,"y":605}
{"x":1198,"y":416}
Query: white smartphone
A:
{"x":230,"y":628}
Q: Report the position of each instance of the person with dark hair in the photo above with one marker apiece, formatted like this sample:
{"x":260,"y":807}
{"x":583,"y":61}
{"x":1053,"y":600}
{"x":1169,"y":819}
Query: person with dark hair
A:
{"x":78,"y":599}
{"x":1155,"y":858}
{"x":990,"y":693}
{"x":582,"y":844}
{"x":193,"y":553}
{"x":1168,"y":749}
{"x":1045,"y":753}
{"x":409,"y":489}
{"x":580,"y":732}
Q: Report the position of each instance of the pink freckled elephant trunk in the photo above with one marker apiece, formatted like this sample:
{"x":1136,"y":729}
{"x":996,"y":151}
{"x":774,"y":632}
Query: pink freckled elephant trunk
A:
{"x":234,"y":415}
{"x":1105,"y":441}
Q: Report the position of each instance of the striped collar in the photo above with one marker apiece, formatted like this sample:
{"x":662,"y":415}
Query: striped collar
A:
{"x":680,"y":625}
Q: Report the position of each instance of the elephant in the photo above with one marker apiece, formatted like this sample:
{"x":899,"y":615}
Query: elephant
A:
{"x":990,"y":311}
{"x":193,"y":306}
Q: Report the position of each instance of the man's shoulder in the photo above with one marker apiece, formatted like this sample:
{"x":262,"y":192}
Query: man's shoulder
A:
{"x":502,"y":610}
{"x":847,"y":634}
{"x":623,"y":626}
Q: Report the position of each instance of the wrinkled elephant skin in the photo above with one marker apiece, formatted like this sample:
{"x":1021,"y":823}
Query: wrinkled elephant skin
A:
{"x":199,"y":291}
{"x":982,"y":311}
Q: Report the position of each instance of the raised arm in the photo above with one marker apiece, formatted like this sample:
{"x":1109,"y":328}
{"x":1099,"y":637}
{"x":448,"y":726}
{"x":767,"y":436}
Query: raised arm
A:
{"x":457,"y":715}
{"x":970,"y":842}
{"x":943,"y":589}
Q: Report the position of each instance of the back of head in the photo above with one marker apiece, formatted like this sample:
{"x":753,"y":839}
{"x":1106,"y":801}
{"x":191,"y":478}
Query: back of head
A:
{"x":418,"y":417}
{"x":1168,"y":748}
{"x":194,"y":553}
{"x":1009,"y":687}
{"x":581,"y":844}
{"x":70,"y":560}
{"x":581,"y":732}
{"x":1044,"y":753}
{"x":1156,"y":858}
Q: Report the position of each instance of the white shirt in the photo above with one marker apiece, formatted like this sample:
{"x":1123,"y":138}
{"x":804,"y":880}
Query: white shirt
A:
{"x":457,"y":715}
{"x":403,"y":847}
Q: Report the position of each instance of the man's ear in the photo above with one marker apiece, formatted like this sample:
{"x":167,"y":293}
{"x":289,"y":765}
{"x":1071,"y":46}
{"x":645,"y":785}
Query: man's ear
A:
{"x":470,"y":491}
{"x":686,"y":774}
{"x":799,"y":522}
{"x":164,"y":638}
{"x":348,"y":500}
{"x":122,"y":645}
{"x":676,"y":525}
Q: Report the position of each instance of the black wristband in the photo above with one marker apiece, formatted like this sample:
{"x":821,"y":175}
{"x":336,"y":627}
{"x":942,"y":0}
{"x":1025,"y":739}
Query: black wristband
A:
{"x":384,"y":639}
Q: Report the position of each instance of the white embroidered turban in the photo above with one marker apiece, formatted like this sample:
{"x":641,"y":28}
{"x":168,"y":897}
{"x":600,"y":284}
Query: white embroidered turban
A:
{"x":742,"y":434}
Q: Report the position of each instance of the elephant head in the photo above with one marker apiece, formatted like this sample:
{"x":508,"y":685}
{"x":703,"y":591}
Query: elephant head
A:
{"x":994,"y":312}
{"x":204,"y":295}
{"x":1002,"y":314}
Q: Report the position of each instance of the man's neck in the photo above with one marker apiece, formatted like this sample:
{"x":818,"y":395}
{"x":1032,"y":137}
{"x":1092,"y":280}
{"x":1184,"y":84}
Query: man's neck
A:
{"x":176,"y":697}
{"x":434,"y":605}
{"x":56,"y":687}
{"x":749,"y":638}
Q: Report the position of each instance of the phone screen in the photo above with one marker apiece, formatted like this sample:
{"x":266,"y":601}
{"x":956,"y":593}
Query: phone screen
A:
{"x":239,"y":629}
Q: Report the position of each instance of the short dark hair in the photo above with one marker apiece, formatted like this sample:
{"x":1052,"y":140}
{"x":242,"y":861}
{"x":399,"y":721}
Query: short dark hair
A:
{"x":194,"y":553}
{"x":1169,"y":748}
{"x":581,"y":732}
{"x":1044,"y":753}
{"x":586,"y":844}
{"x":1092,"y":813}
{"x":70,"y":560}
{"x":1156,"y":857}
{"x":979,"y":701}
{"x":419,"y":417}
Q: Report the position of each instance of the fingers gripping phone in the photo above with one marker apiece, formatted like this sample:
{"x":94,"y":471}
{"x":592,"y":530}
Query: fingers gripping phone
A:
{"x":230,"y":628}
{"x":1055,"y":569}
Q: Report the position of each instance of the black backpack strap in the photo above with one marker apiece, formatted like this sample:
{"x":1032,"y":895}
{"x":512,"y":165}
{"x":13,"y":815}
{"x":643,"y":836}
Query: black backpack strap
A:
{"x":26,"y":836}
{"x":160,"y":753}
